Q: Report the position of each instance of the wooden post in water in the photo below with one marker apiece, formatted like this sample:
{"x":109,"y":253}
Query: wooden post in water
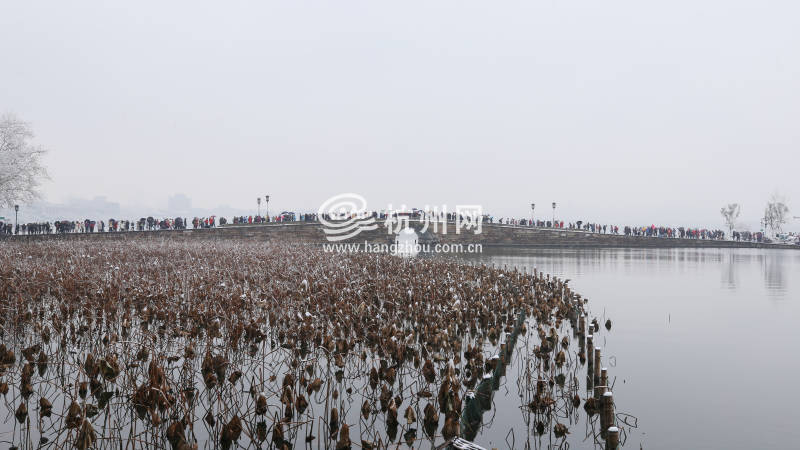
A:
{"x":612,"y":441}
{"x":484,"y":392}
{"x":597,"y":365}
{"x":607,"y":411}
{"x":599,"y":390}
{"x":589,"y":361}
{"x":604,"y":378}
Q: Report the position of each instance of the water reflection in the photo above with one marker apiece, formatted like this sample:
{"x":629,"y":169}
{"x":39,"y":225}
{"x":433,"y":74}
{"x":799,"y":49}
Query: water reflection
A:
{"x":678,"y":315}
{"x":773,"y":264}
{"x":730,"y":272}
{"x":775,"y":273}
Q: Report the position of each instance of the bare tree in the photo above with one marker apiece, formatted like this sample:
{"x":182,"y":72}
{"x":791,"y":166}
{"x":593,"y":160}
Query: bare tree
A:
{"x":775,"y":214}
{"x":21,"y":169}
{"x":730,"y":213}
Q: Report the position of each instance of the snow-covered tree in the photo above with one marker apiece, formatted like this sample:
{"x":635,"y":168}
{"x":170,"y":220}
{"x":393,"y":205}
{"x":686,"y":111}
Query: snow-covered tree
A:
{"x":730,"y":213}
{"x":21,"y":169}
{"x":775,"y":214}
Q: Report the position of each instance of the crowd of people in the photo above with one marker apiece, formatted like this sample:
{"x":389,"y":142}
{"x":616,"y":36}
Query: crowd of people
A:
{"x":110,"y":226}
{"x":748,"y":236}
{"x":680,"y":232}
{"x":647,"y":231}
{"x":282,"y":217}
{"x":182,"y":223}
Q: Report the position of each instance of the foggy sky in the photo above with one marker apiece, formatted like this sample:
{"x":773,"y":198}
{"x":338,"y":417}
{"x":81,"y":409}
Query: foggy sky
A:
{"x":620,"y":111}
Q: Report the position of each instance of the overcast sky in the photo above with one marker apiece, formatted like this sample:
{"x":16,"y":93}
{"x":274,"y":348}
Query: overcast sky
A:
{"x":622,"y":111}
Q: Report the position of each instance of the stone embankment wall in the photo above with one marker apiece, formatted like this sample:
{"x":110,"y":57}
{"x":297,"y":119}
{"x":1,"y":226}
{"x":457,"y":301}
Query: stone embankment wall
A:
{"x":492,"y":235}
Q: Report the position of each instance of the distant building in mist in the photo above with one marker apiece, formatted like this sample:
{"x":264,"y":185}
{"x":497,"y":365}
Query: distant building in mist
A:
{"x":99,"y":206}
{"x":179,"y":203}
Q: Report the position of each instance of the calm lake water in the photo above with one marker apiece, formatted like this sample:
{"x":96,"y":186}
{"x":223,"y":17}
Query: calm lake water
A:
{"x":705,"y":340}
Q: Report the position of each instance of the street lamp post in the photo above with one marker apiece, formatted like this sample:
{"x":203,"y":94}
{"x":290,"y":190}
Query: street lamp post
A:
{"x":533,"y":207}
{"x":16,"y":219}
{"x":554,"y":214}
{"x":267,"y":198}
{"x":258,"y":200}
